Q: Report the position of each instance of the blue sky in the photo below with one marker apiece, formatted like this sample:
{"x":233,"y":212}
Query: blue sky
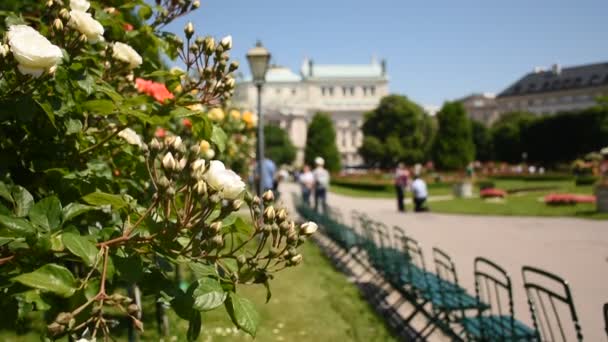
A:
{"x":435,"y":50}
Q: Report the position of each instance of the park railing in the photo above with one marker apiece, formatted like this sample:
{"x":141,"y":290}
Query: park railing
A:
{"x":487,"y":315}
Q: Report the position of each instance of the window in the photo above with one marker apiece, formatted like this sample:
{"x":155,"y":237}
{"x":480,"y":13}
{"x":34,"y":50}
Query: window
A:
{"x":323,"y":90}
{"x":372,"y":90}
{"x":293,"y":91}
{"x":364,"y":90}
{"x":344,"y":91}
{"x":278,"y":91}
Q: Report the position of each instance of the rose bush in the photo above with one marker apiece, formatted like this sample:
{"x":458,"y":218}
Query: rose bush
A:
{"x":109,"y":184}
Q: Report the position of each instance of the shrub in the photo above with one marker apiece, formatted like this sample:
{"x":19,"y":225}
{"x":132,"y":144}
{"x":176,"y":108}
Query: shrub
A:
{"x":112,"y":171}
{"x":586,"y":180}
{"x":485,"y":185}
{"x":321,"y":142}
{"x":453,"y":147}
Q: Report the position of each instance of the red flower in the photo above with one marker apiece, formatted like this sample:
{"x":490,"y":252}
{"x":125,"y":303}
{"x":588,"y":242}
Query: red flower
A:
{"x":492,"y":192}
{"x":157,"y":90}
{"x":127,"y":27}
{"x":568,"y":199}
{"x":187,"y":123}
{"x":160,"y":132}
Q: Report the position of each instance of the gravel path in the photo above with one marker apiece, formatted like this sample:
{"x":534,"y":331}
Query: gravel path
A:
{"x":575,"y":249}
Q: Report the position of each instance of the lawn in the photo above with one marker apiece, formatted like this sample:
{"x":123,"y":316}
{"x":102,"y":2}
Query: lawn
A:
{"x":312,"y":302}
{"x":526,"y":199}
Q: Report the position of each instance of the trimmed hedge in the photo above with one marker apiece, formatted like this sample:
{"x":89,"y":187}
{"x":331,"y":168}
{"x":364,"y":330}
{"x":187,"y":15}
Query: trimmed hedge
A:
{"x":535,"y":177}
{"x":586,"y":180}
{"x":362,"y":185}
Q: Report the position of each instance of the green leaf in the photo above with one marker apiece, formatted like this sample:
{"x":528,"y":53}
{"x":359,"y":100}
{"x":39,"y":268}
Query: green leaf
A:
{"x":181,"y":112}
{"x":5,"y":192}
{"x":17,"y":226}
{"x":101,"y":107}
{"x":81,"y":246}
{"x":5,"y":240}
{"x":87,"y":84}
{"x":46,"y":213}
{"x":33,"y":297}
{"x":73,"y":126}
{"x":74,"y":209}
{"x":50,"y":278}
{"x":102,"y":198}
{"x":48,"y":109}
{"x":208,"y":295}
{"x":218,"y":137}
{"x":23,"y":201}
{"x":201,"y":270}
{"x":243,"y":313}
{"x":243,"y":227}
{"x":194,"y":328}
{"x":145,"y":12}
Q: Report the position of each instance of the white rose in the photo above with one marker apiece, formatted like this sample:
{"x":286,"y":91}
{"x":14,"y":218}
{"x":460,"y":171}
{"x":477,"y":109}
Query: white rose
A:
{"x":308,"y":228}
{"x":34,"y":53}
{"x":169,"y":162}
{"x":4,"y":50}
{"x":131,"y":137}
{"x":127,"y":54}
{"x":227,"y":183}
{"x":87,"y":25}
{"x":80,"y":5}
{"x":226,"y":42}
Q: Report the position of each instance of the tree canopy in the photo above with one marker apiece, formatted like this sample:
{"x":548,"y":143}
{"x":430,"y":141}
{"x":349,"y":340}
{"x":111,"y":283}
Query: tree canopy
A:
{"x":321,"y":142}
{"x":398,"y":130}
{"x":279,"y":147}
{"x":453,"y":147}
{"x":507,"y":136}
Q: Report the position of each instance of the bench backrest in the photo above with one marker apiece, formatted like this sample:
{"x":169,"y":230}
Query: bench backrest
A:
{"x":493,"y":287}
{"x":551,"y":306}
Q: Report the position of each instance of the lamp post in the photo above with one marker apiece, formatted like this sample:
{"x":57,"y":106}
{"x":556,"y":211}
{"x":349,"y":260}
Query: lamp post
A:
{"x":258,"y":58}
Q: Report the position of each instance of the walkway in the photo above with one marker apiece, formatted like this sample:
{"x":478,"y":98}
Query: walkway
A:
{"x":574,"y":249}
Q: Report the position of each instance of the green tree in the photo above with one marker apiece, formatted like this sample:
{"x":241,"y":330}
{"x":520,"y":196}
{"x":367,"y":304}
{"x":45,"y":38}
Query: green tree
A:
{"x":482,"y":139}
{"x":279,"y":147}
{"x":402,"y":128}
{"x":507,"y":136}
{"x":372,"y":150}
{"x":453,"y":147}
{"x":321,"y":142}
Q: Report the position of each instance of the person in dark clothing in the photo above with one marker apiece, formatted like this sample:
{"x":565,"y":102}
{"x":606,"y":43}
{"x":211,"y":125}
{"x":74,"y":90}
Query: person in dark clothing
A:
{"x":401,"y":179}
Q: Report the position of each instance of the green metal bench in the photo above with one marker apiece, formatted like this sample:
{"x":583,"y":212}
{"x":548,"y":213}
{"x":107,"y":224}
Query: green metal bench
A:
{"x":497,"y":323}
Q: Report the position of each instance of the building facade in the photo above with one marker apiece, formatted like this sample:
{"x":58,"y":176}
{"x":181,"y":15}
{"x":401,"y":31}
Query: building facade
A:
{"x":481,"y":107}
{"x":556,"y":89}
{"x":346,"y":92}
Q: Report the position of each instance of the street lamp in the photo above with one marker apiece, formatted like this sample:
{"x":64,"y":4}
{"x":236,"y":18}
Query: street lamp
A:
{"x":259,"y":58}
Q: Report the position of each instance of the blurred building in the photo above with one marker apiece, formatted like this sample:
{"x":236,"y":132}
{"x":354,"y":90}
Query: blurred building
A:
{"x":346,"y":92}
{"x":481,"y":107}
{"x":556,"y":89}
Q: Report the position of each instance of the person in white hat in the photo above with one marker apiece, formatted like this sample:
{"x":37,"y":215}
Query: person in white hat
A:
{"x":321,"y":184}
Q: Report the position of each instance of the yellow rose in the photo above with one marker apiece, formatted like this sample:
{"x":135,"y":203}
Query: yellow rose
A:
{"x":235,"y":114}
{"x":196,"y":107}
{"x":216,"y":114}
{"x":250,"y":119}
{"x":205,"y":146}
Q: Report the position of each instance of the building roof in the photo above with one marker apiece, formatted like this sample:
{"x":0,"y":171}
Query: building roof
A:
{"x":557,"y":79}
{"x":277,"y":74}
{"x":342,"y":71}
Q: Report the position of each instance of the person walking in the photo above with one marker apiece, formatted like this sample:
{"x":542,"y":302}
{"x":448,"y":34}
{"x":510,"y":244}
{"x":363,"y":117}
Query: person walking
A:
{"x":268,"y":173}
{"x":420,"y":193}
{"x":401,"y":179}
{"x":307,"y":183}
{"x":321,"y":177}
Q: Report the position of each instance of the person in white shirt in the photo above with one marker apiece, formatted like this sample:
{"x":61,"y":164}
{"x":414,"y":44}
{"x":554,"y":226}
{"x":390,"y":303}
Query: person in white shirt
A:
{"x":307,"y":182}
{"x":420,"y":193}
{"x":321,"y":184}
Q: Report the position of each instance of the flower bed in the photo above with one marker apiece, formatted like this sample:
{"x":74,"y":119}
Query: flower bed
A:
{"x":492,"y":193}
{"x":569,"y":199}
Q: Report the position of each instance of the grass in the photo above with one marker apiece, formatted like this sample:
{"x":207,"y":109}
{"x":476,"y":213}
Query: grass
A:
{"x":311,"y":302}
{"x":520,"y":203}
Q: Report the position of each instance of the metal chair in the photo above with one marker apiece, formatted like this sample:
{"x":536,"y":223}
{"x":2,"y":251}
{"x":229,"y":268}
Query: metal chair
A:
{"x":497,"y":323}
{"x":450,"y":301}
{"x":549,"y":298}
{"x":606,"y":318}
